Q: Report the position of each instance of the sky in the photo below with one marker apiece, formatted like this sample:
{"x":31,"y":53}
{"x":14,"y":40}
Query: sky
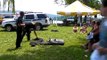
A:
{"x":46,"y":6}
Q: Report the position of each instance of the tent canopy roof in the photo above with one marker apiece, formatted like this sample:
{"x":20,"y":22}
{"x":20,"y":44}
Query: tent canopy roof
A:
{"x":78,"y":8}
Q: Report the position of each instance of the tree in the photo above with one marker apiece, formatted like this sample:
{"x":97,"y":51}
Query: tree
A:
{"x":69,"y":1}
{"x":11,"y":4}
{"x":92,"y":3}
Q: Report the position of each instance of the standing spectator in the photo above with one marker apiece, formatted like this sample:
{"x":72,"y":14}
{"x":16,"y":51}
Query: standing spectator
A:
{"x":100,"y":48}
{"x":20,"y":26}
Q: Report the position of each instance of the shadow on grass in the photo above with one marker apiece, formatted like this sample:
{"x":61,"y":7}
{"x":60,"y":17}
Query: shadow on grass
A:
{"x":11,"y":49}
{"x":47,"y":52}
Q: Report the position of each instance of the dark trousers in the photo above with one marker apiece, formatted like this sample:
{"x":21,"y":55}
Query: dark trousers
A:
{"x":27,"y":32}
{"x":19,"y":37}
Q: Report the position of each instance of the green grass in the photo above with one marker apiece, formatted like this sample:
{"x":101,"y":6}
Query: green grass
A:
{"x":71,"y":50}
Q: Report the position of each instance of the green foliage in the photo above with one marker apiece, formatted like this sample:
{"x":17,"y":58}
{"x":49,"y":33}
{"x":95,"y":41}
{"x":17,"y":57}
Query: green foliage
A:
{"x":71,"y":50}
{"x":91,"y":3}
{"x":69,"y":1}
{"x":94,"y":4}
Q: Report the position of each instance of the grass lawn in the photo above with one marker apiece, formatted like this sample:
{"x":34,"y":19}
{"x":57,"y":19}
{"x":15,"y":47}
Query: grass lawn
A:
{"x":71,"y":50}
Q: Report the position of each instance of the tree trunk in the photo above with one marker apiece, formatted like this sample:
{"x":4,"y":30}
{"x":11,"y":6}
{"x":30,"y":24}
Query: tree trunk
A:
{"x":13,"y":8}
{"x":8,"y":6}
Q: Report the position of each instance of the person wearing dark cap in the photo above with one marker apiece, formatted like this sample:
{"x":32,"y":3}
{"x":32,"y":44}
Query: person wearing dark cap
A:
{"x":19,"y":31}
{"x":100,"y":48}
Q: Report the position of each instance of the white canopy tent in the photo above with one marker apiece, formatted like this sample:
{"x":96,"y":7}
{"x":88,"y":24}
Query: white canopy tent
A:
{"x":78,"y":8}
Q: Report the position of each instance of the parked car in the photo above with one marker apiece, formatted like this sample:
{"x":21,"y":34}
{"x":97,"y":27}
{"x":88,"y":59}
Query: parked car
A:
{"x":68,"y":21}
{"x":71,"y":20}
{"x":40,"y":19}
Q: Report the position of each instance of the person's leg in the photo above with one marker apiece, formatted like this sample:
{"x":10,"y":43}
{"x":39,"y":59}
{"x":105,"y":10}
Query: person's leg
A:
{"x":86,"y":45}
{"x":18,"y":39}
{"x":28,"y":35}
{"x":89,"y":46}
{"x":23,"y":34}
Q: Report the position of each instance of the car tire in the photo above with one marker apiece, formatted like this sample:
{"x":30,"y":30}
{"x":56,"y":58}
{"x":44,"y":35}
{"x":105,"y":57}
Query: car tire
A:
{"x":8,"y":28}
{"x":38,"y":27}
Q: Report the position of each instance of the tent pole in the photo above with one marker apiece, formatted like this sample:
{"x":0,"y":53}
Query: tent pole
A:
{"x":79,"y":20}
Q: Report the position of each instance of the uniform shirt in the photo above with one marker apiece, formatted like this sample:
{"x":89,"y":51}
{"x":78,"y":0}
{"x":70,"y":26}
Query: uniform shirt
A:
{"x":103,"y":33}
{"x":18,"y":22}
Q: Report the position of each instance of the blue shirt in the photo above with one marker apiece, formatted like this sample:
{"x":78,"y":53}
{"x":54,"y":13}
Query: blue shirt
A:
{"x":103,"y":33}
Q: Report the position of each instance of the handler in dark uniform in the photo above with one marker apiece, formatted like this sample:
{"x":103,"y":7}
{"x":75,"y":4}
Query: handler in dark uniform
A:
{"x":27,"y":31}
{"x":20,"y":26}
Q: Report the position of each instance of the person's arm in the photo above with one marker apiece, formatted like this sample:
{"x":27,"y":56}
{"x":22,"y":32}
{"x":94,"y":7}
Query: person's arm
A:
{"x":19,"y":22}
{"x":96,"y":31}
{"x":95,"y":46}
{"x":22,"y":24}
{"x":102,"y":50}
{"x":103,"y":38}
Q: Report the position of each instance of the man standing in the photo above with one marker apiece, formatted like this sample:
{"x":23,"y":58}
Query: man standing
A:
{"x":20,"y":26}
{"x":100,"y":48}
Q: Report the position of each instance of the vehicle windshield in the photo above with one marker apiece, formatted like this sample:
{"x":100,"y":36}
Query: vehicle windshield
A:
{"x":41,"y":15}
